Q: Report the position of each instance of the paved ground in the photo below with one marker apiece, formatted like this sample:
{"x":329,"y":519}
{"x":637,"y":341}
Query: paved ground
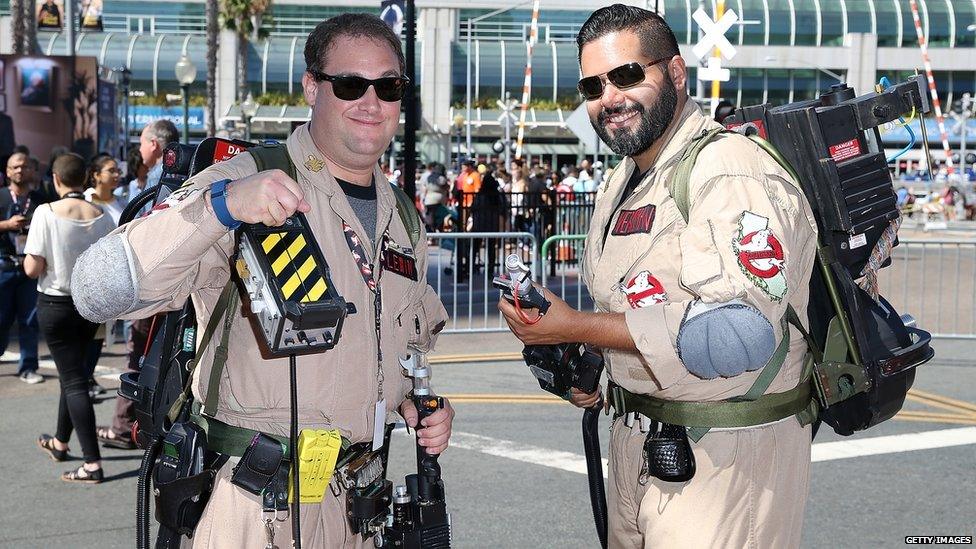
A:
{"x":514,"y":475}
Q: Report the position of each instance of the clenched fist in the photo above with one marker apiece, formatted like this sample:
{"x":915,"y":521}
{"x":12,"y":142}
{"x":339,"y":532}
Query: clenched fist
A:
{"x":268,"y":197}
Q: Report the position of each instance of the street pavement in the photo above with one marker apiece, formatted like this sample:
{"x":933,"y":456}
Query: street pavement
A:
{"x":515,"y":475}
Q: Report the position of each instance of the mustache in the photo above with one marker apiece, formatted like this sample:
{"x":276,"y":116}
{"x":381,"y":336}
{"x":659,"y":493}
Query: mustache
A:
{"x":605,"y":114}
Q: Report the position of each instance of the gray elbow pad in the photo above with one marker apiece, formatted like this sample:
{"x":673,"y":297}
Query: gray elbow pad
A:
{"x":724,"y":339}
{"x":103,"y":283}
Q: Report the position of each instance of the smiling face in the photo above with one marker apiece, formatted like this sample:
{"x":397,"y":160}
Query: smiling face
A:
{"x":631,"y":120}
{"x":353,"y":134}
{"x":109,"y":175}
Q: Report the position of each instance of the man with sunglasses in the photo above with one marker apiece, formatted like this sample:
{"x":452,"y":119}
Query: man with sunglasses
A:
{"x":689,"y":314}
{"x":354,"y":83}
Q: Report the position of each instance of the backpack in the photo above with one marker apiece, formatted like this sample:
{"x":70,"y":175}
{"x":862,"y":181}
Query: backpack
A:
{"x":857,"y":383}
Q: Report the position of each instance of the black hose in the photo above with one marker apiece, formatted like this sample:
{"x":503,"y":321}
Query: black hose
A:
{"x":296,"y":525}
{"x":138,"y":203}
{"x":142,"y":493}
{"x":594,"y":470}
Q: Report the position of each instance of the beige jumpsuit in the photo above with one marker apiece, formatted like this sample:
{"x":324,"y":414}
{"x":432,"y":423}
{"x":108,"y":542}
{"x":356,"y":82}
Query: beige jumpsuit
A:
{"x":181,"y":250}
{"x":751,"y":236}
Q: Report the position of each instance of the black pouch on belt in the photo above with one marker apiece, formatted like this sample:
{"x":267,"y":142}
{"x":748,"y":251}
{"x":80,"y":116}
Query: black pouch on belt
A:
{"x":668,"y":455}
{"x":263,"y":471}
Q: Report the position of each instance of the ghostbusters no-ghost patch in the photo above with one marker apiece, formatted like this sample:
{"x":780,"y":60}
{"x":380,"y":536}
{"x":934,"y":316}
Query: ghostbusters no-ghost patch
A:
{"x":634,"y":221}
{"x":760,"y":255}
{"x":644,"y":290}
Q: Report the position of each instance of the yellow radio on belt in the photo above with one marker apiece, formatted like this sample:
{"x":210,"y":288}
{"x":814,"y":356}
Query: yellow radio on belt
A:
{"x":293,"y":302}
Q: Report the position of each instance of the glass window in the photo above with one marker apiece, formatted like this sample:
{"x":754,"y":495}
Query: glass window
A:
{"x":965,"y":16}
{"x":832,"y":12}
{"x":750,"y":86}
{"x":806,"y":23}
{"x":778,"y":86}
{"x":938,"y":23}
{"x":754,"y":33}
{"x":677,"y":17}
{"x":859,"y":16}
{"x":888,"y":14}
{"x":910,"y":37}
{"x":779,"y":23}
{"x":805,"y":84}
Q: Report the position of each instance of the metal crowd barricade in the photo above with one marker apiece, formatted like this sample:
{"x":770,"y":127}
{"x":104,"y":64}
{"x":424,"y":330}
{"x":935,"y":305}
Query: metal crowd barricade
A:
{"x":935,"y":282}
{"x":461,"y":267}
{"x":561,"y":255}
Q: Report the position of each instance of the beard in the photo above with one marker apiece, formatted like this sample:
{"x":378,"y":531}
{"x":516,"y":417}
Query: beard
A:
{"x":654,"y":121}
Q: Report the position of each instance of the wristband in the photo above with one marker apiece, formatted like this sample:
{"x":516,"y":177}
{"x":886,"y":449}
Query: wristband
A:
{"x":218,"y":199}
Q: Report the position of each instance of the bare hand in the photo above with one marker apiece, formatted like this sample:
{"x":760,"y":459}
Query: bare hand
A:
{"x":15,"y":223}
{"x":558,"y":325}
{"x":435,"y":430}
{"x":268,"y":197}
{"x":583,"y":400}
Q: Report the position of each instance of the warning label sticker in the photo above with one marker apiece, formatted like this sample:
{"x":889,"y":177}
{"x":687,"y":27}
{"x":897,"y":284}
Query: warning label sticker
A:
{"x":845,"y":150}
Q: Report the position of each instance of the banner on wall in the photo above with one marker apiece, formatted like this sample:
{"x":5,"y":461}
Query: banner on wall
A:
{"x":108,"y":124}
{"x":392,"y":12}
{"x":50,"y":15}
{"x":140,"y":115}
{"x":91,"y":15}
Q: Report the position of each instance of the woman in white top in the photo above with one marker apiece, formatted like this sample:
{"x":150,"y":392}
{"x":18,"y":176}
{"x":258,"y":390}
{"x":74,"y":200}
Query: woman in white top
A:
{"x":59,"y":233}
{"x":102,"y":180}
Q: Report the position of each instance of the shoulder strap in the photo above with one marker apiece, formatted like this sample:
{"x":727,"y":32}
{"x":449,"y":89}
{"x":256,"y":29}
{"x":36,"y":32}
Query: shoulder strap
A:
{"x":271,"y":156}
{"x":226,"y":296}
{"x":220,"y":354}
{"x":678,"y":183}
{"x":408,"y":214}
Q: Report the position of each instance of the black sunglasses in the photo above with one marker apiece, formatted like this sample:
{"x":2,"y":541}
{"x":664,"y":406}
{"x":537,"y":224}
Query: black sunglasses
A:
{"x":351,"y":88}
{"x":622,"y":77}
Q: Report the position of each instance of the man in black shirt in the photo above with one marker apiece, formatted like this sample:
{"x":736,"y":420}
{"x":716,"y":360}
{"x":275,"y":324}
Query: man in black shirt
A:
{"x":18,"y":293}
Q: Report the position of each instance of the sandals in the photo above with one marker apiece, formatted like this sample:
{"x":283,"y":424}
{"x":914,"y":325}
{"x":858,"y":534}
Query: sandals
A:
{"x":109,"y":439}
{"x":83,"y":476}
{"x":46,"y":443}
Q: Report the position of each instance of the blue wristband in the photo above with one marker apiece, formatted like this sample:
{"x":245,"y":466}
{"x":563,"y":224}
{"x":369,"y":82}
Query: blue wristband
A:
{"x":218,"y":199}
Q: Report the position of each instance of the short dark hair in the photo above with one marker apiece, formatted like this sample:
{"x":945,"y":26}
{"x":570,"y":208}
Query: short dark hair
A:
{"x":70,"y":169}
{"x":656,"y":37}
{"x":354,"y":25}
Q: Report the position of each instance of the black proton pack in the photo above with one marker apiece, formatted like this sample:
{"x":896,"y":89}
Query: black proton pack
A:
{"x":866,"y":354}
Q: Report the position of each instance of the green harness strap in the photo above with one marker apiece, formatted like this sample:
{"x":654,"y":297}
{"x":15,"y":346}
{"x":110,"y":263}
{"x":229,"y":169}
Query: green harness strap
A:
{"x":228,"y":294}
{"x":754,"y":407}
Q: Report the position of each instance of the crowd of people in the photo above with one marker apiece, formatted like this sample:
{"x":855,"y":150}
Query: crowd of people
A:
{"x":482,"y":196}
{"x":49,"y":215}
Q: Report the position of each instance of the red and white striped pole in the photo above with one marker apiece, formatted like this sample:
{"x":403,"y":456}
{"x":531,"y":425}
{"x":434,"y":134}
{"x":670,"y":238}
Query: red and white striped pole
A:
{"x":527,"y":85}
{"x":935,"y":96}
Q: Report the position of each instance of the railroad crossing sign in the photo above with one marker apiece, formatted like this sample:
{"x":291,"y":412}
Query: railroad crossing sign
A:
{"x":714,"y":71}
{"x":714,"y":34}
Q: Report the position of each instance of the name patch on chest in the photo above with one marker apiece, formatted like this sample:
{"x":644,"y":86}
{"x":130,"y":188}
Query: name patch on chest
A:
{"x":400,"y":264}
{"x":634,"y":221}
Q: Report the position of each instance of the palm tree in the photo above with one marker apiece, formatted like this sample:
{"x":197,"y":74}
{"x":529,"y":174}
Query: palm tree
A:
{"x":18,"y":25}
{"x":248,"y":19}
{"x":213,"y":34}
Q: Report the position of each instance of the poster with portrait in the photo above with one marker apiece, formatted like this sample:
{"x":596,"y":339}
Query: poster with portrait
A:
{"x":36,"y":85}
{"x":49,"y":14}
{"x":91,"y":15}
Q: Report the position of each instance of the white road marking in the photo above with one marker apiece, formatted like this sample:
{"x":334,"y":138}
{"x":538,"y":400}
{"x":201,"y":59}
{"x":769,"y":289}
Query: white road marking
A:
{"x":893,"y":444}
{"x":824,"y":451}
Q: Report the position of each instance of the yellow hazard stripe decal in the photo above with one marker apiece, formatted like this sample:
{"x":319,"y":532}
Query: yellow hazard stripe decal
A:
{"x":316,"y":292}
{"x":270,"y":241}
{"x":298,"y":277}
{"x":285,"y":258}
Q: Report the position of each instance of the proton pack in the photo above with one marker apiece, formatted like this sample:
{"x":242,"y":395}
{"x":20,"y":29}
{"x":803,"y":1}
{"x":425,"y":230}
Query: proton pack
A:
{"x":866,"y":354}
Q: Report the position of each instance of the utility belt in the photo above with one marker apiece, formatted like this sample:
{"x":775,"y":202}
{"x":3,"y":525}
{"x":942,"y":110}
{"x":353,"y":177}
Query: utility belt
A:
{"x":667,"y":453}
{"x":329,"y":464}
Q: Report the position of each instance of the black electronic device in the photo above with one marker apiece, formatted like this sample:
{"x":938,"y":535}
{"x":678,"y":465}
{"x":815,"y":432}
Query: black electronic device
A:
{"x":558,"y":368}
{"x":420,"y":519}
{"x":293,"y":303}
{"x":834,"y":145}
